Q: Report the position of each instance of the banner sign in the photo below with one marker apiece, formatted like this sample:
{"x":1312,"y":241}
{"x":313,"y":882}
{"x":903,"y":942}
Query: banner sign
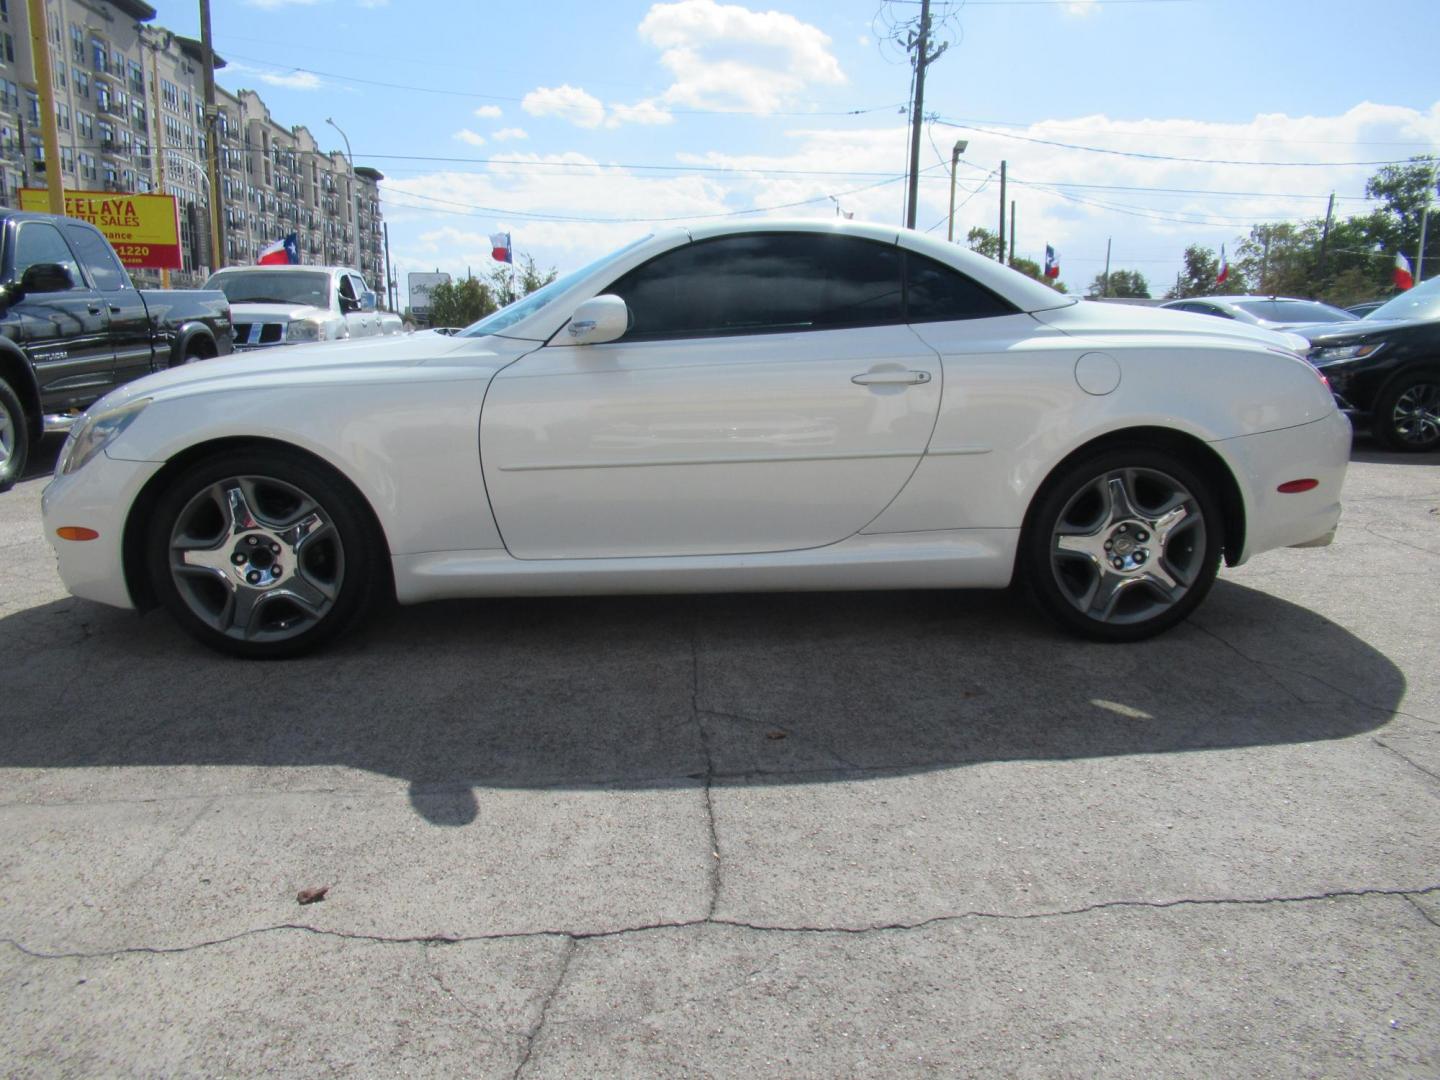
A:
{"x":144,"y":230}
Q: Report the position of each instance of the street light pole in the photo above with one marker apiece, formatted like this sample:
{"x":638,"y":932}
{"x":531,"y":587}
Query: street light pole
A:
{"x":960,"y":147}
{"x":354,"y":195}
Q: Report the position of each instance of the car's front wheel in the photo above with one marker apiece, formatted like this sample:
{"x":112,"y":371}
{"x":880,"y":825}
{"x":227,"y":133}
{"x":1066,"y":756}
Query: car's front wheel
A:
{"x":1123,"y":544}
{"x":1407,"y":412}
{"x":264,"y":553}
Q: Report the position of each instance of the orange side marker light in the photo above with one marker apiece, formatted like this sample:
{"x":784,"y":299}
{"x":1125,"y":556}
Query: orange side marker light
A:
{"x":76,"y":532}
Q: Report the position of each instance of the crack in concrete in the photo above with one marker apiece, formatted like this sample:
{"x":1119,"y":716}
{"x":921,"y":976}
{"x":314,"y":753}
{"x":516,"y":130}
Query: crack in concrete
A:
{"x":1423,"y":913}
{"x":1262,"y":668}
{"x":579,"y":936}
{"x":571,"y":946}
{"x":1402,"y":543}
{"x":1405,"y":758}
{"x":716,"y":867}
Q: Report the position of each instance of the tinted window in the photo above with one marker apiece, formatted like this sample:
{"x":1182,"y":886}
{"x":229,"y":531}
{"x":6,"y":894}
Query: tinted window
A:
{"x":1294,"y":311}
{"x":105,"y":269}
{"x":937,"y":292}
{"x":1421,"y":302}
{"x":764,"y":283}
{"x":40,"y":242}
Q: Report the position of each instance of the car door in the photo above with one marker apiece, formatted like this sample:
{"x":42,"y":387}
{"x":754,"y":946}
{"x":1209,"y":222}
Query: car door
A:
{"x":130,"y":333}
{"x":767,"y":397}
{"x":361,"y":322}
{"x":65,"y":333}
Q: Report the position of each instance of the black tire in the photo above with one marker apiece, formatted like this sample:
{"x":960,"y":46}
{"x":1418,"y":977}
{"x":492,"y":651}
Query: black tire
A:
{"x":14,"y":438}
{"x":264,"y":553}
{"x":198,"y":348}
{"x":1077,"y":508}
{"x":1406,"y":416}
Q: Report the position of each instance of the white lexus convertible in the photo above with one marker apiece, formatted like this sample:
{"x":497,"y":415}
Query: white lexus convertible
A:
{"x":767,"y":406}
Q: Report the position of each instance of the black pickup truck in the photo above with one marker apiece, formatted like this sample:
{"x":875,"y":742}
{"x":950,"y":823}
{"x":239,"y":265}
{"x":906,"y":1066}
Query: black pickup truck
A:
{"x":73,"y":326}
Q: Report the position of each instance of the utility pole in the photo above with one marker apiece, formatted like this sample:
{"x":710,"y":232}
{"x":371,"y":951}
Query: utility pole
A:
{"x":45,"y":90}
{"x":1325,"y":238}
{"x":1012,"y":232}
{"x":1265,"y":261}
{"x":1424,"y":222}
{"x":1002,"y":213}
{"x":389,"y":299}
{"x":960,"y":146}
{"x":1105,"y":280}
{"x":212,"y":143}
{"x":923,"y":58}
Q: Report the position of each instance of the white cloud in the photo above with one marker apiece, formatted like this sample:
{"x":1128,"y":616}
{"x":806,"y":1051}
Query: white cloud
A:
{"x":294,"y":79}
{"x":567,"y":102}
{"x":489,"y":112}
{"x":271,"y":5}
{"x":507,"y":134}
{"x":1081,"y":7}
{"x":723,"y":56}
{"x":465,"y":135}
{"x":642,"y":112}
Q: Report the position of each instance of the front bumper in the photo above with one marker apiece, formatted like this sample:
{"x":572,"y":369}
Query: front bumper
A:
{"x":99,"y":497}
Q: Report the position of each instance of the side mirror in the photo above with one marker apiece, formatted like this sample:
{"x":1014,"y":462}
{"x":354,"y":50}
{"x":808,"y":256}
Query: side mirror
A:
{"x":598,"y":320}
{"x":44,"y":278}
{"x":367,"y":301}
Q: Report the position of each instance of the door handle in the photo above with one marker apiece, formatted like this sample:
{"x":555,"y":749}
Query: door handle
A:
{"x":114,"y":310}
{"x":891,"y":378}
{"x":94,"y":308}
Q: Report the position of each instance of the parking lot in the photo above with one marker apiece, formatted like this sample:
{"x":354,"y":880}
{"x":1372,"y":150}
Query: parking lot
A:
{"x":796,"y":835}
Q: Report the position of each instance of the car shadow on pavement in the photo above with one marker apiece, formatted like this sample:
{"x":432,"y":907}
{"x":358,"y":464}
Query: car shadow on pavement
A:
{"x":630,"y":692}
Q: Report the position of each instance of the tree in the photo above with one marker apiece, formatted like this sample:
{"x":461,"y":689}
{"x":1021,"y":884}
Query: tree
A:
{"x":983,"y":242}
{"x":1124,"y":283}
{"x":1031,"y":269}
{"x":460,"y":303}
{"x":526,"y":275}
{"x":1198,"y":278}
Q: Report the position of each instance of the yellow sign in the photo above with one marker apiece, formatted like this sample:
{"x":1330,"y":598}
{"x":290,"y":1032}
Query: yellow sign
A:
{"x":143,"y":229}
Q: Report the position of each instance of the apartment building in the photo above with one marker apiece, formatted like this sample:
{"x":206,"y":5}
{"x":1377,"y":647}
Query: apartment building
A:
{"x":130,"y":112}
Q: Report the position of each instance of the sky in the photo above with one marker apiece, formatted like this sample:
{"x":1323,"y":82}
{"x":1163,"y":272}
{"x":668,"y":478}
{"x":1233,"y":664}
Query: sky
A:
{"x":576,"y":127}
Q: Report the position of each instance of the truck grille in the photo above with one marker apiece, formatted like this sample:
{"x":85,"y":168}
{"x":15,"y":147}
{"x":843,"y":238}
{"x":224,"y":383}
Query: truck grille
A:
{"x":252,"y":334}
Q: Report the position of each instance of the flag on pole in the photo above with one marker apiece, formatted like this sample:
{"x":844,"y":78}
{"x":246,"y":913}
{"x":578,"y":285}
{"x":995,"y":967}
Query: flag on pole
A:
{"x":1224,"y":271}
{"x":283,"y":252}
{"x":1052,"y":262}
{"x":500,"y":247}
{"x":1404,"y":279}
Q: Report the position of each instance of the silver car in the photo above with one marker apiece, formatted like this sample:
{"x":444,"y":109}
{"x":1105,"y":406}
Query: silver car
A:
{"x":1270,"y":312}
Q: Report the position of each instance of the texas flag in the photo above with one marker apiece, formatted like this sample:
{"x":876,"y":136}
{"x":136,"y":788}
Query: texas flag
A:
{"x":1224,"y":271}
{"x":500,"y":247}
{"x":1052,"y":262}
{"x":1404,"y":279}
{"x":285,"y":252}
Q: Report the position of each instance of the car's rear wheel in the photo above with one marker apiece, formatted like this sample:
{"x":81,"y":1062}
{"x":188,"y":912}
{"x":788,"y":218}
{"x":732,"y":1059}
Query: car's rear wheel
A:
{"x":14,"y":438}
{"x":1407,"y":412}
{"x":263,"y":553}
{"x":1123,"y":544}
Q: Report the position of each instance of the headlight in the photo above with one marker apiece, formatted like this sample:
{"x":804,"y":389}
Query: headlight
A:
{"x":94,"y":433}
{"x":1336,"y":353}
{"x":305,"y":330}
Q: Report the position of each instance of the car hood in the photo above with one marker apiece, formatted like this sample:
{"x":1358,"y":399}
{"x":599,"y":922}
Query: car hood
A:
{"x":278,"y":312}
{"x":1330,"y":333}
{"x":1110,"y":320}
{"x":358,"y":360}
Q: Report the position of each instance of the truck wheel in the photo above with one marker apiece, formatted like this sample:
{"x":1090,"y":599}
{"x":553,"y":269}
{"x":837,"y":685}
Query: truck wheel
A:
{"x":198,"y":349}
{"x":1407,"y":412}
{"x":14,"y":438}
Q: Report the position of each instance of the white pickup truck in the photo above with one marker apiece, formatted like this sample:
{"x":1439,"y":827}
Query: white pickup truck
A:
{"x":288,"y":305}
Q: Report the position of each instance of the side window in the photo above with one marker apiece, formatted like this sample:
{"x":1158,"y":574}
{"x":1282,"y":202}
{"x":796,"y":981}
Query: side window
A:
{"x":105,"y":269}
{"x":40,"y":242}
{"x":357,"y":286}
{"x":935,"y":292}
{"x":347,"y":287}
{"x":763,"y":283}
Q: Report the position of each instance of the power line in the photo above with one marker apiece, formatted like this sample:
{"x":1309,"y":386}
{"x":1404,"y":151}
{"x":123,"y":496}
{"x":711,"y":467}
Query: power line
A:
{"x":1423,"y":143}
{"x":1165,"y":157}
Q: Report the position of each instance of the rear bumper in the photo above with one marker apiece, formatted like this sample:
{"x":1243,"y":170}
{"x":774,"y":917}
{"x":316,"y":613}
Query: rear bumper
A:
{"x":1318,"y":451}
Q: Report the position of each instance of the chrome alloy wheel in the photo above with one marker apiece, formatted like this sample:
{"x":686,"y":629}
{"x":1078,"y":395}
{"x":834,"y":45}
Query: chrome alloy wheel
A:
{"x":7,"y":438}
{"x":256,"y":558}
{"x":1128,"y":545}
{"x":1416,"y":415}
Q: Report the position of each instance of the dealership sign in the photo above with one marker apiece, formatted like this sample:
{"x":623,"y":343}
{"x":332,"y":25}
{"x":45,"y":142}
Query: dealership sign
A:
{"x":420,"y":287}
{"x":144,"y":230}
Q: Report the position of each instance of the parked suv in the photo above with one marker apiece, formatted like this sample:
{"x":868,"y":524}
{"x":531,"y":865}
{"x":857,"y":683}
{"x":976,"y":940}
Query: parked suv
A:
{"x":1385,"y":368}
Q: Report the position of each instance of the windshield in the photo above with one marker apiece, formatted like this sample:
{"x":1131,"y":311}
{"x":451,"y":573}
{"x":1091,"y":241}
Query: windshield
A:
{"x":1293,"y":311}
{"x":1421,"y":302}
{"x":273,"y":287}
{"x":528,"y":305}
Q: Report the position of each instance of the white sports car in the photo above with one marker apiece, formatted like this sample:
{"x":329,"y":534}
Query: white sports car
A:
{"x":772,"y":406}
